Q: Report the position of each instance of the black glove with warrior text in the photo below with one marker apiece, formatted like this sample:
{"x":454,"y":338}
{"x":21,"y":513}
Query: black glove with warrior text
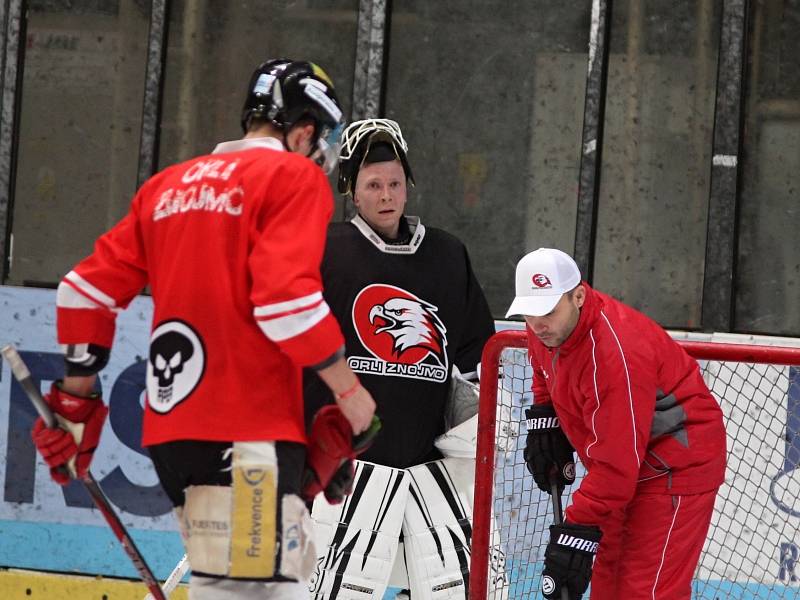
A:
{"x":548,"y":453}
{"x":568,"y":559}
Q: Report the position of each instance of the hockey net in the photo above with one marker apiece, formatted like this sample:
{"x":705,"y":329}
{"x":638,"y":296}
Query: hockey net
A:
{"x":753,"y":547}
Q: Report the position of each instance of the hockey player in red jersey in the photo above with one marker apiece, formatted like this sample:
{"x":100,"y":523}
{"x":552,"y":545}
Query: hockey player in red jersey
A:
{"x":230,"y":244}
{"x":411,"y":310}
{"x":610,"y":383}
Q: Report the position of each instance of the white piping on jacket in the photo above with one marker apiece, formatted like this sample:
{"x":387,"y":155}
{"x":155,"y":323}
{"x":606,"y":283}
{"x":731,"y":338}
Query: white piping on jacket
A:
{"x":628,"y":382}
{"x":596,"y":393}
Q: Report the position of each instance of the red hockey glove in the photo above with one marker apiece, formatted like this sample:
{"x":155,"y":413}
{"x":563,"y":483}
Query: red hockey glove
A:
{"x":69,"y":447}
{"x":330,"y":453}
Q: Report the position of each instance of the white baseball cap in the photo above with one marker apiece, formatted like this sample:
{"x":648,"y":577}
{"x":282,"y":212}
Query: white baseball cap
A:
{"x":543,"y":276}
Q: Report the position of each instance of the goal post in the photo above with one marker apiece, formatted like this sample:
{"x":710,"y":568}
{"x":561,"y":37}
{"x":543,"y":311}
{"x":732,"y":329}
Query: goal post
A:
{"x":753,"y":544}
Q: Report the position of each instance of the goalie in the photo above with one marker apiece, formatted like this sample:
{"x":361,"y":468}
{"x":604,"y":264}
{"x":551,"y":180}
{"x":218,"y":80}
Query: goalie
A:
{"x":412,"y":313}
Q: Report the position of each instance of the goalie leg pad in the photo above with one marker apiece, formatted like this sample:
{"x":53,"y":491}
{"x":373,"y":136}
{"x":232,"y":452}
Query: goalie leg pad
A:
{"x":399,"y":575}
{"x":357,"y":539}
{"x":437,"y":532}
{"x":250,"y":529}
{"x":437,"y":529}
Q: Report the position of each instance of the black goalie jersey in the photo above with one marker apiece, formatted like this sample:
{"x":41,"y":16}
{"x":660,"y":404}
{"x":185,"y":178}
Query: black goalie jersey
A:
{"x":408,"y":313}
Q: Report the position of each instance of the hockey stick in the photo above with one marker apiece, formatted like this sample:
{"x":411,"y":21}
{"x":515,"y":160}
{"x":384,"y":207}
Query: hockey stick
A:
{"x":23,"y":376}
{"x":558,"y":518}
{"x":171,"y":582}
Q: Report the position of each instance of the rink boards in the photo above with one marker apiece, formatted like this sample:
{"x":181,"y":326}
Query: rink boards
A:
{"x":47,"y":528}
{"x":44,"y":526}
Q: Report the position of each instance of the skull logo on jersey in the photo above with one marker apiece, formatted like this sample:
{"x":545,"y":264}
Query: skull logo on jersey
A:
{"x":176,"y":365}
{"x":402,"y":332}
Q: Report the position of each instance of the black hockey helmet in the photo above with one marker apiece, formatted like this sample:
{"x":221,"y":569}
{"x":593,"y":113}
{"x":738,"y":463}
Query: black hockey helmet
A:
{"x":283,"y":92}
{"x":357,"y":141}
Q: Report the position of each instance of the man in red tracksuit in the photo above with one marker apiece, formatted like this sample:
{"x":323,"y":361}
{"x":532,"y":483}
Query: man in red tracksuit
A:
{"x":610,"y":383}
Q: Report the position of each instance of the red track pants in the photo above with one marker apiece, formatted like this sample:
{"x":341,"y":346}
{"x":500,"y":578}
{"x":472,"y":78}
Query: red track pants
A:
{"x":653,"y":549}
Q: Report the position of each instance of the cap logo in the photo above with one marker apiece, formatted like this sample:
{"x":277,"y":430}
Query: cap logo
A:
{"x":541,"y":280}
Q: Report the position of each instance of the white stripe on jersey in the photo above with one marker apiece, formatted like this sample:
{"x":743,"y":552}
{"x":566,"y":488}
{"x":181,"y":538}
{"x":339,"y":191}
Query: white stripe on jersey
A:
{"x":75,"y":292}
{"x":304,"y":302}
{"x":285,"y":326}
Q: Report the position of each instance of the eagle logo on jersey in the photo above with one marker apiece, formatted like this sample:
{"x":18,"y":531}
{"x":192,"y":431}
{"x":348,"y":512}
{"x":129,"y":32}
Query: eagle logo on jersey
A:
{"x":403,"y":333}
{"x":412,"y":324}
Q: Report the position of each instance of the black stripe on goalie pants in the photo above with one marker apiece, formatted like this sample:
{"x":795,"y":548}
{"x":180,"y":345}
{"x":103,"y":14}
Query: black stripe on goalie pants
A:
{"x":182,"y":463}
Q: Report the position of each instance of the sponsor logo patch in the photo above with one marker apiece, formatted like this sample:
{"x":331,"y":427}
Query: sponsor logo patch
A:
{"x":253,"y":537}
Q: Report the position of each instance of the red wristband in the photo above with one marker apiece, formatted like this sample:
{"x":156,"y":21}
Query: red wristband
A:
{"x":346,"y":394}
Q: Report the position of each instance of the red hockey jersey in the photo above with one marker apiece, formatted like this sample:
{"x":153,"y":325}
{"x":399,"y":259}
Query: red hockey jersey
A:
{"x":230,"y":245}
{"x":634,"y":406}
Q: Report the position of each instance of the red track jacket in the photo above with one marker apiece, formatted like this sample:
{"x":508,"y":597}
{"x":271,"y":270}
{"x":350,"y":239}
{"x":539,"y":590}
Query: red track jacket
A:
{"x":230,"y":244}
{"x":634,"y":406}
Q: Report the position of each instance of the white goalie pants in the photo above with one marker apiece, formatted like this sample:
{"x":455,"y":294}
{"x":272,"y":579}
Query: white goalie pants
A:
{"x":358,"y":541}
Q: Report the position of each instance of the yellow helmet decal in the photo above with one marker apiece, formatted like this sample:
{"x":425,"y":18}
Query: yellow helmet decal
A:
{"x":319,"y":72}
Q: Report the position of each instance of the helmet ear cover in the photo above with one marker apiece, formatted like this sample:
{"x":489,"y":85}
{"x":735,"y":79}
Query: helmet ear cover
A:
{"x":366,"y":142}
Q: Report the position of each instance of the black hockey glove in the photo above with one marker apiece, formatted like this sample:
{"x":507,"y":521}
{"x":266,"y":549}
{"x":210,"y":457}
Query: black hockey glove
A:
{"x":548,"y":453}
{"x":568,"y":559}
